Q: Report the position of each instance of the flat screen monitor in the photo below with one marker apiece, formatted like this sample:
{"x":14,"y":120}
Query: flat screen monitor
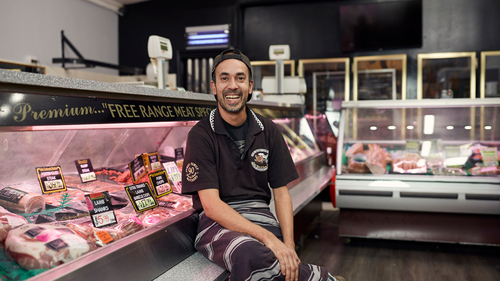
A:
{"x":381,"y":25}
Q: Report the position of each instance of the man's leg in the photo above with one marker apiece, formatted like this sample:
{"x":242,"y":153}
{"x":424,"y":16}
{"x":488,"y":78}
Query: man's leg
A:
{"x":245,"y":257}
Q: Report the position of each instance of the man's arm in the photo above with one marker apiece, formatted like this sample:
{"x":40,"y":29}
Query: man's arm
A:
{"x":226,"y":216}
{"x":284,"y":213}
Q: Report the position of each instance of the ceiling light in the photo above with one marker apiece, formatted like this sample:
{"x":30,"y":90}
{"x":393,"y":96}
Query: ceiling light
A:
{"x":449,"y":127}
{"x":487,"y":127}
{"x":373,"y":128}
{"x":410,"y":127}
{"x":468,"y":127}
{"x":391,"y":127}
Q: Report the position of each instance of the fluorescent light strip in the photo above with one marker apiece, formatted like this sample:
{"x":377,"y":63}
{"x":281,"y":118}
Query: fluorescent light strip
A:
{"x":208,"y":36}
{"x":207,"y":42}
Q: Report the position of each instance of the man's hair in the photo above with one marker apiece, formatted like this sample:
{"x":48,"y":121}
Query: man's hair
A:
{"x":231,"y":54}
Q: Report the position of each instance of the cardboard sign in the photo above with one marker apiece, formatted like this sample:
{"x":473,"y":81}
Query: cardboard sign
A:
{"x":100,"y":209}
{"x":85,"y":170}
{"x":51,"y":179}
{"x":141,"y":197}
{"x":160,"y":182}
{"x":137,"y":168}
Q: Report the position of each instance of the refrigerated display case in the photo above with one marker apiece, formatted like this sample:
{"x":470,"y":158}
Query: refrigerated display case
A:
{"x":420,"y":170}
{"x":51,"y":121}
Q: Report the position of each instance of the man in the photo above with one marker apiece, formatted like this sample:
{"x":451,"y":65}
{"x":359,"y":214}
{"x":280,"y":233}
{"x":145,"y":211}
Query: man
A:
{"x":232,"y":158}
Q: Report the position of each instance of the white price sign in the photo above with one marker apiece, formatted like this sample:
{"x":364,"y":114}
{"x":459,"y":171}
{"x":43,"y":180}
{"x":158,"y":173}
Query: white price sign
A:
{"x":104,"y":219}
{"x":54,"y":184}
{"x":88,"y":177}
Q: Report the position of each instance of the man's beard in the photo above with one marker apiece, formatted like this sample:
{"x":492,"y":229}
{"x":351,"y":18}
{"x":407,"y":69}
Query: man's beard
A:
{"x":232,"y":108}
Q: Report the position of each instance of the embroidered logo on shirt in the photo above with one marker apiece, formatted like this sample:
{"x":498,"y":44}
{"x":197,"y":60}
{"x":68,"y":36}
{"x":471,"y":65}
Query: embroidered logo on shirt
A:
{"x":260,"y":159}
{"x":192,"y":171}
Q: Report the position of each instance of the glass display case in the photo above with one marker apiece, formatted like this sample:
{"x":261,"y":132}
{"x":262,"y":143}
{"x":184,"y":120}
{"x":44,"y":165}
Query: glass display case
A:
{"x":45,"y":125}
{"x":446,"y":75}
{"x":490,"y":74}
{"x":419,"y":156}
{"x":379,"y":77}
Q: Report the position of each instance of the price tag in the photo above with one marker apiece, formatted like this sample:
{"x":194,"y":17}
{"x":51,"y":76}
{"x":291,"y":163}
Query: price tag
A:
{"x":100,"y":209}
{"x":85,"y":170}
{"x":179,"y":157}
{"x":51,"y":179}
{"x":174,"y":176}
{"x":412,"y":147}
{"x":154,"y":161}
{"x":137,"y":168}
{"x":161,"y":185}
{"x":490,"y":156}
{"x":141,"y":197}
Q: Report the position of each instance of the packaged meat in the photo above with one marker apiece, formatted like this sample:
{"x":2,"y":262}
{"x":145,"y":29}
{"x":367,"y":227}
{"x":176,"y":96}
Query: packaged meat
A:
{"x":376,"y":159}
{"x":485,"y":171}
{"x":356,"y":164}
{"x":7,"y":221}
{"x":35,"y":246}
{"x":19,"y":201}
{"x":154,"y":216}
{"x":127,"y":224}
{"x":354,"y":149}
{"x":176,"y":202}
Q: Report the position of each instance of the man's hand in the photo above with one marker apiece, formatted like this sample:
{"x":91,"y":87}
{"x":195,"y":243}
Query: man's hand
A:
{"x":288,"y":259}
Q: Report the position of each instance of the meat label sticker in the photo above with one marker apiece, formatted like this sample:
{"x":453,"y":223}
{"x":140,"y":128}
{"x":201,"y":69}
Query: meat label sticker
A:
{"x":51,"y":179}
{"x":174,"y":175}
{"x":34,"y":231}
{"x":85,"y":170}
{"x":137,"y":168}
{"x":104,"y":236}
{"x":141,"y":197}
{"x":154,"y":161}
{"x":100,"y":209}
{"x":12,"y":195}
{"x":57,"y":244}
{"x":160,"y":182}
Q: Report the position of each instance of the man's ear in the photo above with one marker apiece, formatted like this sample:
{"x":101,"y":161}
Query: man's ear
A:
{"x":250,"y":88}
{"x":214,"y":89}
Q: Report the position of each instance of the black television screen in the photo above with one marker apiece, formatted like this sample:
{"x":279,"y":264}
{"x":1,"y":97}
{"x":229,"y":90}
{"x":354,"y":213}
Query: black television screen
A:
{"x":381,"y":25}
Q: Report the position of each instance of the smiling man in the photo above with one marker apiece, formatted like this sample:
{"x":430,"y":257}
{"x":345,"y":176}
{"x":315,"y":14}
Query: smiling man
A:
{"x":234,"y":160}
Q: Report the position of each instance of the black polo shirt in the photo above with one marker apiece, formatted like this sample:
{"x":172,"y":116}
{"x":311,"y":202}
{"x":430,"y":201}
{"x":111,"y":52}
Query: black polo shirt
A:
{"x":212,"y":160}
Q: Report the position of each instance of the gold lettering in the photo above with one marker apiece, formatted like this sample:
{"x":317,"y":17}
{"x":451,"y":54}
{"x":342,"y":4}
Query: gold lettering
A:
{"x":42,"y":114}
{"x":158,"y":111}
{"x":163,"y":110}
{"x":134,"y":111}
{"x":111,"y":110}
{"x":180,"y":111}
{"x":127,"y":110}
{"x":143,"y":111}
{"x":190,"y":111}
{"x":56,"y":113}
{"x":119,"y":109}
{"x":151,"y":112}
{"x":23,"y":109}
{"x":170,"y":113}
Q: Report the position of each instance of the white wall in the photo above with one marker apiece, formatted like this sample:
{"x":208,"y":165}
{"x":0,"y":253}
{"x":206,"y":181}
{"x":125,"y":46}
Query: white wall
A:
{"x":33,"y":28}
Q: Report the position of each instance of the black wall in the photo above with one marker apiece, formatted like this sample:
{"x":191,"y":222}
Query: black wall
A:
{"x":309,"y":27}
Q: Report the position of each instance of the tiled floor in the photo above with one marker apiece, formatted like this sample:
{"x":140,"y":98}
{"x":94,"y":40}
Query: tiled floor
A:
{"x":388,"y":260}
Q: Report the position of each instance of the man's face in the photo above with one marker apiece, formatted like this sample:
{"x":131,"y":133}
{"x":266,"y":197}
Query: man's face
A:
{"x":232,"y":85}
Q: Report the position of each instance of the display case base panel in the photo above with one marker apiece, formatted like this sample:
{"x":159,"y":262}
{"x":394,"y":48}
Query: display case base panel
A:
{"x":420,"y":226}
